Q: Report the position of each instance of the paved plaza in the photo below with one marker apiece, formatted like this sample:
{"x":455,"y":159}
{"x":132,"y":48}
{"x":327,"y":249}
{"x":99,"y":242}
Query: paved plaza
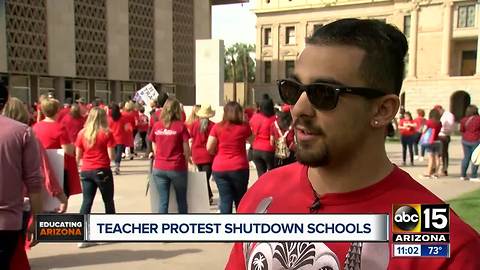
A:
{"x":130,"y":198}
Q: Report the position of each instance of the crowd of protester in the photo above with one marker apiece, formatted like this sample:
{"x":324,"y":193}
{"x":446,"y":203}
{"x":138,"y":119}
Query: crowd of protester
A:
{"x":432,"y":135}
{"x":94,"y":135}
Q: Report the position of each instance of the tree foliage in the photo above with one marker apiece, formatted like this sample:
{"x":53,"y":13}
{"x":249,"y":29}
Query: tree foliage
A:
{"x":236,"y":58}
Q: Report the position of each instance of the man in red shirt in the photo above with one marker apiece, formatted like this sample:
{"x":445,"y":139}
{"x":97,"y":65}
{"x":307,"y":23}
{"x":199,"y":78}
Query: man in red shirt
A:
{"x":345,"y":93}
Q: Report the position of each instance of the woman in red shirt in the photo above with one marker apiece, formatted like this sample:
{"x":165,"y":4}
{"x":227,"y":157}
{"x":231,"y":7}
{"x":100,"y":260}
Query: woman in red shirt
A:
{"x":263,"y":152}
{"x":199,"y":130}
{"x":169,"y":138}
{"x":53,"y":135}
{"x":131,"y":115}
{"x":283,"y":136}
{"x":142,"y":127}
{"x":95,"y":147}
{"x":420,"y":121}
{"x":435,"y":147}
{"x":73,"y":122}
{"x":470,"y":129}
{"x":408,"y":128}
{"x":119,"y":126}
{"x":227,"y":140}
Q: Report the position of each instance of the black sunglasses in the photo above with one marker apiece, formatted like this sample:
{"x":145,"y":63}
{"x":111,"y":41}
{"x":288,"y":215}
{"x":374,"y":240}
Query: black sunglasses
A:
{"x":323,"y":96}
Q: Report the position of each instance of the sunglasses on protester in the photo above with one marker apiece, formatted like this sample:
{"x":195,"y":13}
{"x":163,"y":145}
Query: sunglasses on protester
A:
{"x":323,"y":96}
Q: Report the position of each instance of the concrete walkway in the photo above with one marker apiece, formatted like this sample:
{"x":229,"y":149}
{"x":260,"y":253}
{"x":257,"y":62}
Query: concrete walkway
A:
{"x":130,"y":198}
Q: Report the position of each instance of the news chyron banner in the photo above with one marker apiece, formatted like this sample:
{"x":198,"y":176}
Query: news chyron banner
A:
{"x":421,"y":230}
{"x":214,"y":227}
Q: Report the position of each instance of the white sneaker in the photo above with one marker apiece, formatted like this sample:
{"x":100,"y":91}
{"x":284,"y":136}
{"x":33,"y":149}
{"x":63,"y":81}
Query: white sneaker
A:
{"x":420,"y":159}
{"x":416,"y":157}
{"x":86,"y":244}
{"x":476,"y":179}
{"x":464,"y":178}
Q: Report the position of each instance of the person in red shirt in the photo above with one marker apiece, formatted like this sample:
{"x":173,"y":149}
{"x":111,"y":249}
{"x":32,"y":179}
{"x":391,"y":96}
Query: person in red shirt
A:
{"x":434,"y":146}
{"x":95,"y":148}
{"x":470,"y":129}
{"x":408,"y":128}
{"x":281,"y":133}
{"x":227,"y":141}
{"x":420,"y":123}
{"x":263,"y":151}
{"x":119,"y":126}
{"x":132,"y":117}
{"x":169,"y":139}
{"x":65,"y":110}
{"x":199,"y":131}
{"x":40,"y":115}
{"x":143,"y":128}
{"x":73,"y":122}
{"x":345,"y":93}
{"x":53,"y":135}
{"x":192,"y":118}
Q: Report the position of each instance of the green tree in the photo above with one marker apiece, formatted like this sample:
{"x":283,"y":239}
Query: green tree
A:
{"x":239,"y":65}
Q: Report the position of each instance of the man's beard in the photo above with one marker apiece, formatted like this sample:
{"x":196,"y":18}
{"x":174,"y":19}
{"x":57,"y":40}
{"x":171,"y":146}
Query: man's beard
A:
{"x":312,"y":154}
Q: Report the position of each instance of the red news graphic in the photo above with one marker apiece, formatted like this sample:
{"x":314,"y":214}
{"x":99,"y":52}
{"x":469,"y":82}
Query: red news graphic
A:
{"x":60,"y":228}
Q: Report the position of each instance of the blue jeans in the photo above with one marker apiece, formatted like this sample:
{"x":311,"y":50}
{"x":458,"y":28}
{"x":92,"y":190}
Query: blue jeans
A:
{"x":119,"y":149}
{"x":162,"y":180}
{"x":103,"y":179}
{"x":232,"y":185}
{"x":468,"y":148}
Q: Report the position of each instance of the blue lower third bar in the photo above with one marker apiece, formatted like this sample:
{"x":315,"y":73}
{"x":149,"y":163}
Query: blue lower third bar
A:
{"x":442,"y":250}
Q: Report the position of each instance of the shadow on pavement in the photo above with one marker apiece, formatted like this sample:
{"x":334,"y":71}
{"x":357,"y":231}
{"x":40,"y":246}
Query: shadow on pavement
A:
{"x":104,"y":257}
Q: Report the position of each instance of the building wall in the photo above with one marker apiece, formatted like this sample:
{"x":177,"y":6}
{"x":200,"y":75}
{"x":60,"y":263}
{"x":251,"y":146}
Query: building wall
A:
{"x":436,"y":42}
{"x":117,"y":39}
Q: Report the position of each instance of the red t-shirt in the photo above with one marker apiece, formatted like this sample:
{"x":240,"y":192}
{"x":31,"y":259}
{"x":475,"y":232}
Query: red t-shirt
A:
{"x":52,"y":135}
{"x":420,"y":123}
{"x":290,"y":139}
{"x":436,"y":126}
{"x":142,"y":125}
{"x":260,"y":125}
{"x":471,"y":130}
{"x":169,"y":145}
{"x":405,"y":128}
{"x":62,"y":113}
{"x":290,"y":191}
{"x":119,"y":130}
{"x":95,"y":156}
{"x":155,"y":116}
{"x":231,"y":151}
{"x":73,"y":126}
{"x":200,"y":154}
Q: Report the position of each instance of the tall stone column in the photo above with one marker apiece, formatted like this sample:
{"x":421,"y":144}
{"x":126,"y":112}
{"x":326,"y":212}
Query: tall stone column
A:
{"x":275,"y":52}
{"x":59,"y":85}
{"x":446,"y":38}
{"x":412,"y":55}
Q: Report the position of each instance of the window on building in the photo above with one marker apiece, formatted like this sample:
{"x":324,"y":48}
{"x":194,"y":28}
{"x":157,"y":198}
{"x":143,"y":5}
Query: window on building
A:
{"x":290,"y":35}
{"x":289,"y":68}
{"x":317,"y":26}
{"x":268,"y":71}
{"x":128,"y":90}
{"x":102,"y":91}
{"x":20,"y":86}
{"x":267,"y":36}
{"x":469,"y":61}
{"x":466,"y":16}
{"x":45,"y":86}
{"x":77,"y":89}
{"x":407,"y":25}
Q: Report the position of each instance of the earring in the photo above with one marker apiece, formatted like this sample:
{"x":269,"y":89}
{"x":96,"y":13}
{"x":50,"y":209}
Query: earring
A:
{"x":375,"y":123}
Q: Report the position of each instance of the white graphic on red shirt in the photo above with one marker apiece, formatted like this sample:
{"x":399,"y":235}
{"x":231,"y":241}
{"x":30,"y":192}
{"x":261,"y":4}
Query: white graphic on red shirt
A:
{"x":165,"y":132}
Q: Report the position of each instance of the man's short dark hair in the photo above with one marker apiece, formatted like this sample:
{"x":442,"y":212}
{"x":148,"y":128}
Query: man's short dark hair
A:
{"x":385,"y":47}
{"x":3,"y":94}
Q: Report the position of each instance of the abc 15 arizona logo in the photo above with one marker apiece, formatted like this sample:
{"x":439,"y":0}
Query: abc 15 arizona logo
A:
{"x":421,"y":218}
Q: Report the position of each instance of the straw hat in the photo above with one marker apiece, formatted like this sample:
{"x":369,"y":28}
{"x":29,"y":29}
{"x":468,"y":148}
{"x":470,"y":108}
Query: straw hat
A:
{"x":205,"y":111}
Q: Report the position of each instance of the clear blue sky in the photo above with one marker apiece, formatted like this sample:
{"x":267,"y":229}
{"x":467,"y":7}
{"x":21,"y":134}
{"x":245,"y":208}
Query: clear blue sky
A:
{"x":234,"y":23}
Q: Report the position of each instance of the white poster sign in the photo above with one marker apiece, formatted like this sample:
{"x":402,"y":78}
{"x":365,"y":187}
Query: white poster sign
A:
{"x":56,"y":160}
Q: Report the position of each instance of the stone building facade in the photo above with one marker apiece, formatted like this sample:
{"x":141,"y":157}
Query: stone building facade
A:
{"x":101,"y":48}
{"x":442,"y":66}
